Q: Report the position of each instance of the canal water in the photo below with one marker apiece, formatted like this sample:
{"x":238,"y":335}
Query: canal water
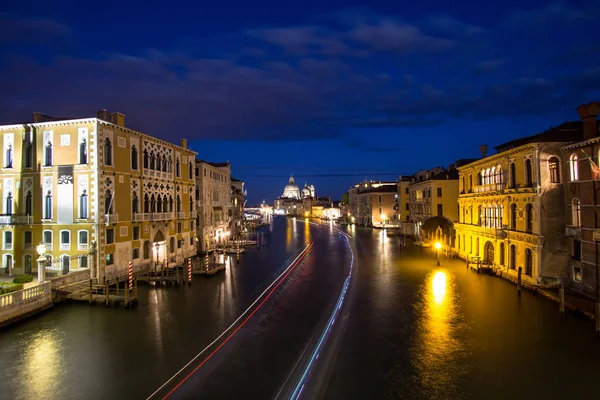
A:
{"x":411,"y":330}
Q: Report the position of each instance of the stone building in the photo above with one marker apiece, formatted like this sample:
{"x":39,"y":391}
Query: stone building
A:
{"x":74,"y":184}
{"x":579,"y":171}
{"x":215,"y":208}
{"x":511,"y":206}
{"x":298,"y":202}
{"x":238,"y":195}
{"x":372,"y":203}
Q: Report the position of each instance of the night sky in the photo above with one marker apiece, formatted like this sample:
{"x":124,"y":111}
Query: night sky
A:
{"x":329,"y":91}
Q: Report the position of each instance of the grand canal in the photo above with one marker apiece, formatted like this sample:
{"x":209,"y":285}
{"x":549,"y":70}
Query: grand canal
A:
{"x":408,"y":329}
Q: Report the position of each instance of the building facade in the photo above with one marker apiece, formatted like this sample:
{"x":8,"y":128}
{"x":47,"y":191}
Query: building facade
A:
{"x":238,"y":195}
{"x":580,"y":174}
{"x":80,"y":184}
{"x":373,"y":203}
{"x":215,"y":207}
{"x":511,"y":206}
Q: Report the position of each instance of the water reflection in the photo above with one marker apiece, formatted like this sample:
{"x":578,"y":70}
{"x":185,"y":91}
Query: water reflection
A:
{"x":42,"y":365}
{"x":437,"y":347}
{"x":306,"y":231}
{"x":288,"y":234}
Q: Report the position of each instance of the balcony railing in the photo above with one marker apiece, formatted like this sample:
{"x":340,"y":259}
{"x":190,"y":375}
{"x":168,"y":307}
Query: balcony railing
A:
{"x":137,"y":217}
{"x":491,"y":187}
{"x":83,"y":246}
{"x":181,"y":215}
{"x":193,"y":214}
{"x":8,"y":246}
{"x":572,"y":231}
{"x":65,"y":246}
{"x":161,"y":216}
{"x":16,"y":219}
{"x":112,"y":218}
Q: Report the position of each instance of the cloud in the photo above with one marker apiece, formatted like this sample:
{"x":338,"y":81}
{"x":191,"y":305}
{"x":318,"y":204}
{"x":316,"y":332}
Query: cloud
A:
{"x":449,"y":25}
{"x":30,"y":29}
{"x":302,"y":39}
{"x":556,"y":12}
{"x":489,"y":65}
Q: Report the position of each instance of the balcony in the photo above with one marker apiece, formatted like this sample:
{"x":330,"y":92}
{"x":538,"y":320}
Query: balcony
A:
{"x":181,"y":215}
{"x":572,"y":231}
{"x":162,"y":216}
{"x":16,"y":219}
{"x":138,"y":217}
{"x":83,"y":246}
{"x":65,"y":246}
{"x":491,"y":187}
{"x":112,"y":218}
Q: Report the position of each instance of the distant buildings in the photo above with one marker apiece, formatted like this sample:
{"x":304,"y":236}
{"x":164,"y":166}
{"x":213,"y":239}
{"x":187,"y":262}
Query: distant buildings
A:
{"x":373,"y":203}
{"x":298,"y":202}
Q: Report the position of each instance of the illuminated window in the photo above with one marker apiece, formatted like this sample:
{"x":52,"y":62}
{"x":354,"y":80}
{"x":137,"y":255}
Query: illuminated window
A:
{"x":8,"y":159}
{"x":554,"y":170}
{"x":513,"y":217}
{"x":513,"y":257}
{"x":502,"y":253}
{"x":529,"y":218}
{"x":575,"y":212}
{"x":573,"y":168}
{"x":528,"y":173}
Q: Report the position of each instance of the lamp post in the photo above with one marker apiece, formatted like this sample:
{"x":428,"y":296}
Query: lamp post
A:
{"x":41,"y":249}
{"x":438,"y":246}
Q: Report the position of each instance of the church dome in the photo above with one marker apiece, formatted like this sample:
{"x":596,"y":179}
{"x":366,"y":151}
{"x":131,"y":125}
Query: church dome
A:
{"x":305,"y":192}
{"x":291,"y":190}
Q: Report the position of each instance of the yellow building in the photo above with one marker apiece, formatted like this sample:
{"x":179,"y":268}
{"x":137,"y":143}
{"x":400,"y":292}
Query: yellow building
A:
{"x":512,"y":211}
{"x":373,"y":203}
{"x":83,"y":184}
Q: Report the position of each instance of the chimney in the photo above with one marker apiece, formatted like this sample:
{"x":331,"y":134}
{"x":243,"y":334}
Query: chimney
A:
{"x":40,"y":117}
{"x":119,"y":119}
{"x":483,"y":148}
{"x":588,"y":113}
{"x":184,"y":143}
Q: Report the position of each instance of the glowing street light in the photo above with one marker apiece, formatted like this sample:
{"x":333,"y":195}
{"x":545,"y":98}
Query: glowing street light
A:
{"x":438,"y":246}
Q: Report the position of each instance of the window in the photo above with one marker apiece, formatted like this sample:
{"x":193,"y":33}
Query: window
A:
{"x":83,"y":153}
{"x":145,"y":159}
{"x":9,"y":204}
{"x":407,"y":206}
{"x":83,"y":262}
{"x":8,"y":240}
{"x":577,"y":274}
{"x":191,"y":204}
{"x":576,"y":249}
{"x":179,"y":243}
{"x":178,"y":168}
{"x":108,"y":198}
{"x":28,"y":204}
{"x":65,"y":240}
{"x":83,"y":239}
{"x":135,"y":254}
{"x":379,"y":198}
{"x":179,"y":227}
{"x":108,"y":152}
{"x":28,"y":155}
{"x":529,"y":218}
{"x":191,"y":171}
{"x":28,"y":263}
{"x":134,"y":158}
{"x":134,"y":204}
{"x":48,"y":205}
{"x":47,"y":239}
{"x":573,"y":168}
{"x":152,"y":161}
{"x":513,"y":175}
{"x":439,"y":192}
{"x":513,"y":257}
{"x":528,"y":173}
{"x":440,"y":210}
{"x":191,"y":241}
{"x":513,"y":217}
{"x":27,"y":239}
{"x":172,"y":244}
{"x":170,"y":166}
{"x":146,"y":204}
{"x":110,"y":236}
{"x":192,"y":226}
{"x":554,"y":170}
{"x":481,"y":216}
{"x":575,"y":212}
{"x":110,"y":259}
{"x":178,"y":203}
{"x":146,"y":250}
{"x":500,"y":216}
{"x":501,"y":253}
{"x":528,"y":262}
{"x":8,"y":159}
{"x":83,"y":205}
{"x":48,"y":154}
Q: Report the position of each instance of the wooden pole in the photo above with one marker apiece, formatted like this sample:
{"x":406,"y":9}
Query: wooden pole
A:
{"x":135,"y":288}
{"x":127,"y":297}
{"x":90,"y":291}
{"x":117,"y":286}
{"x":519,"y":281}
{"x":106,"y":292}
{"x":561,"y":297}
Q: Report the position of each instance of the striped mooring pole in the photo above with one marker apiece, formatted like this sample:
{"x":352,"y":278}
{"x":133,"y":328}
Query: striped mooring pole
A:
{"x":206,"y":260}
{"x":130,"y":275}
{"x":190,"y":270}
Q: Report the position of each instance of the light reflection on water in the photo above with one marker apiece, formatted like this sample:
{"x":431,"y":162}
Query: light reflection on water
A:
{"x":438,"y":347}
{"x":306,"y":231}
{"x":42,"y":364}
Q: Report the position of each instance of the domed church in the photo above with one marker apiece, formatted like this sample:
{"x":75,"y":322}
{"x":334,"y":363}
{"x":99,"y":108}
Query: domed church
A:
{"x":291,"y":190}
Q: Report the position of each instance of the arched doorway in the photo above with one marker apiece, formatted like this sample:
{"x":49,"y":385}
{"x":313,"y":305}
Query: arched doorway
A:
{"x":488,"y":252}
{"x":159,"y":247}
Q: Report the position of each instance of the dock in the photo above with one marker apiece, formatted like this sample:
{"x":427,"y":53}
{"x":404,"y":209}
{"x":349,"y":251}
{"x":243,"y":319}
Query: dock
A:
{"x":164,"y":276}
{"x":209,"y":270}
{"x":107,"y":292}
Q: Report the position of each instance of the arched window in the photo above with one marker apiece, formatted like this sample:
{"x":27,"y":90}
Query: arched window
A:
{"x":499,"y":176}
{"x":480,"y":213}
{"x":488,"y":177}
{"x":152,"y":160}
{"x":8,"y":159}
{"x":83,"y":205}
{"x":48,"y":205}
{"x":145,"y":159}
{"x":134,"y":204}
{"x":164,"y":164}
{"x":501,"y":253}
{"x":528,"y":262}
{"x":493,"y":175}
{"x":152,"y":204}
{"x":513,"y":216}
{"x":513,"y":257}
{"x":500,"y":216}
{"x":529,"y":218}
{"x":134,"y":158}
{"x":146,"y":205}
{"x":159,"y":204}
{"x":170,"y":203}
{"x":28,"y":204}
{"x":178,"y":168}
{"x":9,"y":204}
{"x":554,"y":170}
{"x":83,"y":153}
{"x":107,"y":152}
{"x":479,"y":179}
{"x":191,"y":204}
{"x":28,"y":155}
{"x":178,"y":204}
{"x":513,"y":175}
{"x":528,"y":173}
{"x":8,"y":242}
{"x":48,"y":154}
{"x":166,"y":204}
{"x":573,"y":168}
{"x":575,"y":212}
{"x":108,"y":202}
{"x":170,"y":165}
{"x":190,"y":170}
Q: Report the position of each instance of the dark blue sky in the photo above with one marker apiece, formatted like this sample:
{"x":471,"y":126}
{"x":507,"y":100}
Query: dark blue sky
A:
{"x":331,"y":92}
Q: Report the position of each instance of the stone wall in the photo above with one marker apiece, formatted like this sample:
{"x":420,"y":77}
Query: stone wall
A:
{"x":19,"y":306}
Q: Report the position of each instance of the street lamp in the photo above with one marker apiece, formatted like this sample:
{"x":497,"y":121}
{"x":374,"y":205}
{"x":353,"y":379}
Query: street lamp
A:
{"x":41,"y":249}
{"x":383,"y":218}
{"x":438,"y":246}
{"x":156,"y":246}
